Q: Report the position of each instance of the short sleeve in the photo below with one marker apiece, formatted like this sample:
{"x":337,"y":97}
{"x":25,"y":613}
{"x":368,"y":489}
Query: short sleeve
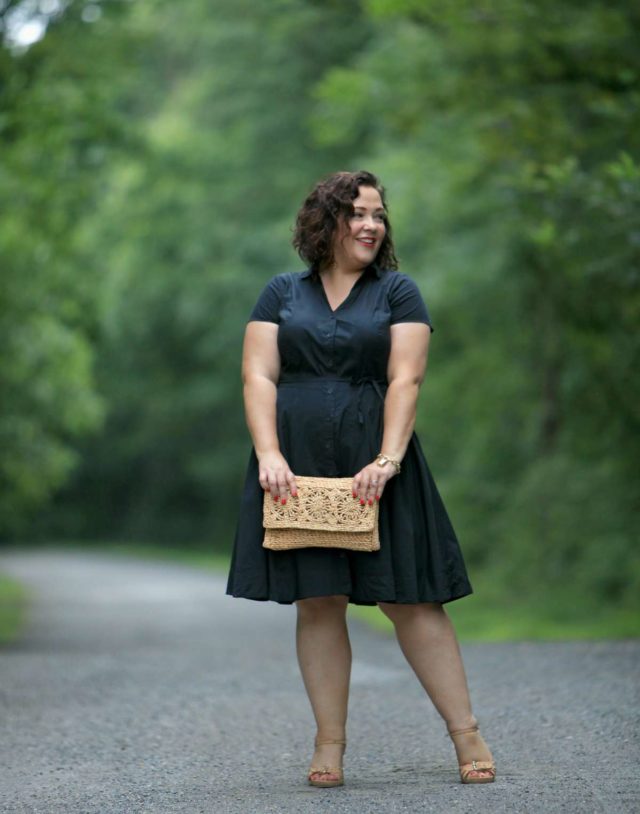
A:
{"x":406,"y":302}
{"x":267,"y":308}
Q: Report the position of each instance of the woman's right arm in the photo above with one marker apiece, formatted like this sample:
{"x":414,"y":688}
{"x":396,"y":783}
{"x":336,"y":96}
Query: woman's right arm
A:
{"x":260,"y":373}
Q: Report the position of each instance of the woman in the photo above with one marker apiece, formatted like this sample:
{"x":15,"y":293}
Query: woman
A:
{"x":333,"y":360}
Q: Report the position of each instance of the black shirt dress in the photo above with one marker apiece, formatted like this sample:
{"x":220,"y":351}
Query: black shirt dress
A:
{"x":330,"y":403}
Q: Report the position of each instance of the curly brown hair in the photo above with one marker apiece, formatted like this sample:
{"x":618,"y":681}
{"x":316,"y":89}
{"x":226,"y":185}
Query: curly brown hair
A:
{"x":329,"y":204}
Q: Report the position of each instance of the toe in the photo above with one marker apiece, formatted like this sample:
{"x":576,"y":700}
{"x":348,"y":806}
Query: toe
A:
{"x":324,"y":776}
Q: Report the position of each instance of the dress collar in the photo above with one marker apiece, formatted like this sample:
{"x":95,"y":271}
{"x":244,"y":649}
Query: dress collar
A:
{"x":372,"y":269}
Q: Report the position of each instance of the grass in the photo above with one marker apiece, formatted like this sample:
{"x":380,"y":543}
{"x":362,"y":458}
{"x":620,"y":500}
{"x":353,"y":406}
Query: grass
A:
{"x":477,"y":619}
{"x":14,"y":601}
{"x":483,"y":616}
{"x":188,"y":556}
{"x":196,"y":557}
{"x":486,"y":615}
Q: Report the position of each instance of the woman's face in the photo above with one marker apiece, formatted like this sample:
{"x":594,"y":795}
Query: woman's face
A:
{"x":358,"y":239}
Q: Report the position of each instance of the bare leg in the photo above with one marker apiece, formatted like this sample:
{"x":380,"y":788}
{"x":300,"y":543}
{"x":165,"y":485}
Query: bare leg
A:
{"x":324,"y":655}
{"x":428,"y":640}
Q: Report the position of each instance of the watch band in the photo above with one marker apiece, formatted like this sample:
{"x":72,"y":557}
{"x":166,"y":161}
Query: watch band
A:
{"x":382,"y":460}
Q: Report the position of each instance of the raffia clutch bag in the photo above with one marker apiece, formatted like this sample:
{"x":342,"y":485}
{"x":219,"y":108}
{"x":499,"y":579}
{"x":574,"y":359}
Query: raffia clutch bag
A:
{"x":323,"y":515}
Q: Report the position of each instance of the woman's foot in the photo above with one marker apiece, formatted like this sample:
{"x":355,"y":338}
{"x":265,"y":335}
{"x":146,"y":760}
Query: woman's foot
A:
{"x":326,"y":766}
{"x":474,"y":758}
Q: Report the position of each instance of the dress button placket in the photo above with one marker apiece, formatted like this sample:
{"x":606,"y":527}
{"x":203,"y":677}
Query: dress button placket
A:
{"x":330,"y":335}
{"x":330,"y":389}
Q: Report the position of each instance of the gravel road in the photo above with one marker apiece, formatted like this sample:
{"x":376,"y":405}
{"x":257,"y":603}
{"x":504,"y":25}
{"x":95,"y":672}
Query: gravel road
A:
{"x":140,"y":688}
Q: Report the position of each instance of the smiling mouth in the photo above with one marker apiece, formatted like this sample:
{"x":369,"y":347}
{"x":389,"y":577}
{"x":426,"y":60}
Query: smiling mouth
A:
{"x":369,"y":242}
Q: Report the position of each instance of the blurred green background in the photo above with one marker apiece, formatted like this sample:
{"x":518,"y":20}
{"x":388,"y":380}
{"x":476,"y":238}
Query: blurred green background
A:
{"x":152,"y":158}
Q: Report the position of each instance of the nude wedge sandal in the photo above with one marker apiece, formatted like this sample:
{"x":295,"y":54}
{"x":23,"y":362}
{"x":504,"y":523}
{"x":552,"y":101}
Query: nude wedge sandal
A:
{"x":488,"y":767}
{"x":337,"y":770}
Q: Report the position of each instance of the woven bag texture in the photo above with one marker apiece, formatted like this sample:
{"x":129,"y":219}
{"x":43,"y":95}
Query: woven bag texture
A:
{"x":324,"y":514}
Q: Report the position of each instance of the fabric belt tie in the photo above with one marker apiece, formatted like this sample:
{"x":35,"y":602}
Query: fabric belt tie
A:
{"x":360,"y":382}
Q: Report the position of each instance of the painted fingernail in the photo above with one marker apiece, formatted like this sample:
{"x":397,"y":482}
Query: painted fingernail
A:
{"x":353,"y":494}
{"x":276,"y":498}
{"x":377,"y":497}
{"x":295,"y":494}
{"x":284,"y":500}
{"x":370,"y":501}
{"x":362,"y":502}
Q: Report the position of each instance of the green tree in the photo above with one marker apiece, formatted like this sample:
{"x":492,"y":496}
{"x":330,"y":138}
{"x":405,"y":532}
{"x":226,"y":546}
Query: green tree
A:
{"x":59,"y":123}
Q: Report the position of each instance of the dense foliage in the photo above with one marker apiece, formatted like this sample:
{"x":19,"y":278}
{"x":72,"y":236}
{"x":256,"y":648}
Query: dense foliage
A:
{"x":153,"y":156}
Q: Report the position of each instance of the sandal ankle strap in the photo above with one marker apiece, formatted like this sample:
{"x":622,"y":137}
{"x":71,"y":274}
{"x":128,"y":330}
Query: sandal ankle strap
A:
{"x":325,"y":741}
{"x":452,"y":732}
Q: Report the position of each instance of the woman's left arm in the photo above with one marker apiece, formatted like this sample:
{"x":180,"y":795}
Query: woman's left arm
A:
{"x":405,"y":372}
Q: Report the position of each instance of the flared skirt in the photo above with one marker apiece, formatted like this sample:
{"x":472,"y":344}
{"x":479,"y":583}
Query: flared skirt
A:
{"x":419,"y":560}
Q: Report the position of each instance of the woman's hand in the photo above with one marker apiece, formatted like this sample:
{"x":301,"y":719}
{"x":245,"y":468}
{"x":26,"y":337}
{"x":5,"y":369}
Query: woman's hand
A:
{"x":276,"y":477}
{"x":370,"y":481}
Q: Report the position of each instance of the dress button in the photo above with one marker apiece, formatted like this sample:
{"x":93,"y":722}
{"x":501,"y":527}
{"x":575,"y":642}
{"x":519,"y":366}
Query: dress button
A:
{"x":329,"y":390}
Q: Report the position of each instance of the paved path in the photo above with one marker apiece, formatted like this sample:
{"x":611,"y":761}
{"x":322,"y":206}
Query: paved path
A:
{"x":139,"y":688}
